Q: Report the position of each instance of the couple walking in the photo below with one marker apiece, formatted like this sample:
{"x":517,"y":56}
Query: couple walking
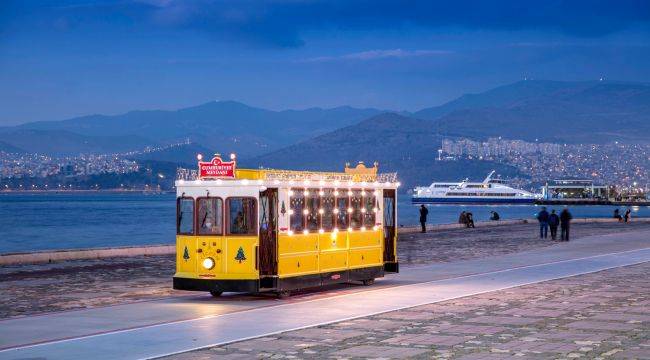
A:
{"x":552,"y":221}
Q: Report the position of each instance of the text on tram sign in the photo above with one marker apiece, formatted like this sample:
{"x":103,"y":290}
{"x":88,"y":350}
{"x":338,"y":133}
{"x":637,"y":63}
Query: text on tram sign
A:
{"x":217,"y":169}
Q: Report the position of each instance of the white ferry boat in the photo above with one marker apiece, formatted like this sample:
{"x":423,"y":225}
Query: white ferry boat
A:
{"x":490,"y":191}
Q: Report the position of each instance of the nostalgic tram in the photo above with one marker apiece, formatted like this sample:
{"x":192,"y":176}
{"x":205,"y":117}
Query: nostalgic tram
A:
{"x":249,"y":230}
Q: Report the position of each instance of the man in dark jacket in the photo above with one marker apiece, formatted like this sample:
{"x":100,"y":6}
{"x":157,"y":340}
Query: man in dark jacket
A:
{"x":542,"y":217}
{"x":553,"y":222}
{"x":423,"y":217}
{"x":565,"y":221}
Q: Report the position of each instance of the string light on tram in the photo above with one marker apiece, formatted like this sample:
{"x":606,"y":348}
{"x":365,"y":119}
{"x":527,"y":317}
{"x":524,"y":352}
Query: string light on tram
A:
{"x":244,"y":182}
{"x":363,"y":210}
{"x":375,"y":228}
{"x":349,"y":229}
{"x":336,"y":193}
{"x":321,"y":193}
{"x":305,"y":232}
{"x":233,"y":156}
{"x":199,"y":157}
{"x":290,"y":192}
{"x":321,"y":231}
{"x":363,"y":228}
{"x":290,"y":211}
{"x":350,"y":210}
{"x":349,"y":192}
{"x":290,"y":232}
{"x":321,"y":211}
{"x":336,"y":210}
{"x":306,"y":193}
{"x":305,"y":212}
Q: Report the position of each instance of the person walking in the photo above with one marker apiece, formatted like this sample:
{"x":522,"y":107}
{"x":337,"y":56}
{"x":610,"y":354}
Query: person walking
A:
{"x":495,"y":216}
{"x":423,"y":217}
{"x":553,"y":222}
{"x":542,"y":217}
{"x":565,"y":221}
{"x":628,"y":215}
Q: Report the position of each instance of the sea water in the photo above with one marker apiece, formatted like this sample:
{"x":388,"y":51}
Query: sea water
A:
{"x":46,"y":221}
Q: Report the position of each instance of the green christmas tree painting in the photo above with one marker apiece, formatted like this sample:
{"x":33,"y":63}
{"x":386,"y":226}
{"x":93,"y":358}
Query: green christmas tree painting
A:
{"x":240,"y":255}
{"x":186,"y":254}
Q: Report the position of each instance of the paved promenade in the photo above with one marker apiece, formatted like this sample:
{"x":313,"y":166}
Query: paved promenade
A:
{"x":174,"y":325}
{"x":603,"y":315}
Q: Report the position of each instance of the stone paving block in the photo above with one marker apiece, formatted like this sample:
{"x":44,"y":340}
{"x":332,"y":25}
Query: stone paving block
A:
{"x":488,"y":356}
{"x":374,"y":324}
{"x":426,"y":339}
{"x":467,"y":329}
{"x":633,"y":354}
{"x":600,"y":325}
{"x":372,"y":351}
{"x":270,"y":344}
{"x":446,"y":308}
{"x":534,"y":312}
{"x":573,"y":335}
{"x":559,"y":305}
{"x":326,"y":335}
{"x":503,"y":320}
{"x":538,"y":346}
{"x":410,"y":315}
{"x":621,"y":317}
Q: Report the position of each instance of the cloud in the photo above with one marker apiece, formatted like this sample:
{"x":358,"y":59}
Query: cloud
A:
{"x":379,"y":54}
{"x":285,"y":23}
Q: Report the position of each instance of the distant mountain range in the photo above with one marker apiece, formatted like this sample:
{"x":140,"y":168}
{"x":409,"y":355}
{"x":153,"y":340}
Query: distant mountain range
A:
{"x":224,"y":125}
{"x":550,"y":111}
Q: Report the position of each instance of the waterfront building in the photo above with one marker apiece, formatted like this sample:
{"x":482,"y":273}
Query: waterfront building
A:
{"x":574,"y":189}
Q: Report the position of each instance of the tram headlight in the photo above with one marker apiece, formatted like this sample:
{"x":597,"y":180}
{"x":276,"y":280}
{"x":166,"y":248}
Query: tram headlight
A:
{"x":208,"y":263}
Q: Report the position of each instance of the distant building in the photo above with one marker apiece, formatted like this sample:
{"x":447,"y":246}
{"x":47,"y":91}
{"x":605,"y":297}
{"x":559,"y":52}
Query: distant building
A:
{"x":574,"y":189}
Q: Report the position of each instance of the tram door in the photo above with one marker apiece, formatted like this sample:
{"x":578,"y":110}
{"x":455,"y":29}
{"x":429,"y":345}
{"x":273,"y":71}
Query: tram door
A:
{"x":268,"y":259}
{"x":390,"y":259}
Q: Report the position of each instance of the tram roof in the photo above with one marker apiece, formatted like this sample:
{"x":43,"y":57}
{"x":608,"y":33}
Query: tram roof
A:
{"x":358,"y":176}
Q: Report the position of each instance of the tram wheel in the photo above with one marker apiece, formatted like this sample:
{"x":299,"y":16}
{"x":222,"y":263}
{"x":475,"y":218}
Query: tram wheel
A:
{"x":216,"y":293}
{"x":284,"y":294}
{"x":368,"y":282}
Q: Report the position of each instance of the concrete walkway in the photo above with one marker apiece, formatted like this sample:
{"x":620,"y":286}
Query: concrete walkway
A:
{"x":157,"y":328}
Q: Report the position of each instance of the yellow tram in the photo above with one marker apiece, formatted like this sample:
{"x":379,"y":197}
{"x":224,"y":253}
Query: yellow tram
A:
{"x":245,"y":230}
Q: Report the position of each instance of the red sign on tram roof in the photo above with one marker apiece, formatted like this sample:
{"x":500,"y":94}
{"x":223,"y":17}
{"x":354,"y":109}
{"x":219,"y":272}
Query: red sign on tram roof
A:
{"x":217,"y":169}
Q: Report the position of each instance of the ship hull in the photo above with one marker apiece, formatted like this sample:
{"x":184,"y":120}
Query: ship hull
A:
{"x":467,"y":200}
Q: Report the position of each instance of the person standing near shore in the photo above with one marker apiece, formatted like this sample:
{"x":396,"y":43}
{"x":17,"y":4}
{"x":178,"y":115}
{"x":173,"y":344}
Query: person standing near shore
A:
{"x":565,"y":221}
{"x":628,"y":215}
{"x":553,"y":222}
{"x":423,"y":217}
{"x":542,"y":217}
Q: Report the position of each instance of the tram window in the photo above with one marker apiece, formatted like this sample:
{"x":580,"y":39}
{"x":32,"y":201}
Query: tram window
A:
{"x":185,"y":216}
{"x":210,"y":212}
{"x":356,"y":203}
{"x":342,"y":212}
{"x":296,"y":207}
{"x":313,"y":205}
{"x":241,"y":216}
{"x":327,"y":204}
{"x":369,"y":210}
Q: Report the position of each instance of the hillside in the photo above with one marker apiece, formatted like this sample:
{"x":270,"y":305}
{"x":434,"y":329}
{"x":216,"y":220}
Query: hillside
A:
{"x":228,"y":125}
{"x":572,"y":112}
{"x":398,"y":143}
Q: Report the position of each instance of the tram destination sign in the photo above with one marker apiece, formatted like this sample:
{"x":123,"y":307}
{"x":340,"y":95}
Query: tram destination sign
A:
{"x":217,"y":169}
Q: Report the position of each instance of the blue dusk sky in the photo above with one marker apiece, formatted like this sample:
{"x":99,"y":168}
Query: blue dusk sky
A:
{"x":60,"y":59}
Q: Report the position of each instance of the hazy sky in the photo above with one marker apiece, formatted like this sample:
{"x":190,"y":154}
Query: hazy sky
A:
{"x":64,"y":58}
